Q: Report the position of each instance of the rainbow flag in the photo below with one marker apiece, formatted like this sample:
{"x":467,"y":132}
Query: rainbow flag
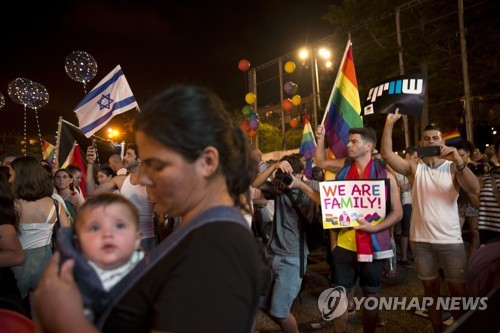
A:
{"x":452,"y":137}
{"x":343,"y":111}
{"x":48,"y":152}
{"x":308,"y":147}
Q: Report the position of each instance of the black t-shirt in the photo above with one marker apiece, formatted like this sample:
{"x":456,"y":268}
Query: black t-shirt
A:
{"x":208,"y":283}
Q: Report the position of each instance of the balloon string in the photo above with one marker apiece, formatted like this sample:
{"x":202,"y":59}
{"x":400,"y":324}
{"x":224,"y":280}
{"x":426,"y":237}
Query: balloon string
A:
{"x":25,"y":125}
{"x":39,"y":131}
{"x":85,"y":87}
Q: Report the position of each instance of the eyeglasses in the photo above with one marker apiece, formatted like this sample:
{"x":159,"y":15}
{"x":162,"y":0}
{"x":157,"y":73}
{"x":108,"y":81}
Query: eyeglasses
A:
{"x":62,"y":177}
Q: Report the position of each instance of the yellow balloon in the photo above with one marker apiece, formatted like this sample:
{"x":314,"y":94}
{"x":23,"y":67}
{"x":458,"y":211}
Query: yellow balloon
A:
{"x":296,"y":100}
{"x":250,"y":98}
{"x":289,"y":67}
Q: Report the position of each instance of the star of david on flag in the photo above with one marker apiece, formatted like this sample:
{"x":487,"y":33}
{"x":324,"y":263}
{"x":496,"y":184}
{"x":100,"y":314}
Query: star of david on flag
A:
{"x":111,"y":96}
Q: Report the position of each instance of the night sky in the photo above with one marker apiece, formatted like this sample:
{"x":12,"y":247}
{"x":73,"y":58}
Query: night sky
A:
{"x":157,"y":44}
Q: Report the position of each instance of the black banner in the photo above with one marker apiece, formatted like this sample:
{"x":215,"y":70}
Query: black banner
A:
{"x":405,"y":93}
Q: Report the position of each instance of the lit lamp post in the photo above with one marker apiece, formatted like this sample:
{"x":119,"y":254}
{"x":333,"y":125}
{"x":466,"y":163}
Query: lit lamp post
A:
{"x":325,"y":55}
{"x":113,"y":133}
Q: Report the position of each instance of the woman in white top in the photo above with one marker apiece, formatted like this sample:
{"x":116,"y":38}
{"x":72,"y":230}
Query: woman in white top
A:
{"x":33,"y":188}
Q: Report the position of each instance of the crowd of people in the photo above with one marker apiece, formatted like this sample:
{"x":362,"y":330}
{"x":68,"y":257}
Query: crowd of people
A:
{"x":110,"y":266}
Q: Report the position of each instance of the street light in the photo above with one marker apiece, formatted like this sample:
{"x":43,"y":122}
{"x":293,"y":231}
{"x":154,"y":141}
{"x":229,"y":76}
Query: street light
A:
{"x":113,"y":133}
{"x":325,"y":55}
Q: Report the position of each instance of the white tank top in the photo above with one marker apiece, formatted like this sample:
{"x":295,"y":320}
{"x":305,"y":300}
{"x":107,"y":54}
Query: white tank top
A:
{"x":34,"y":235}
{"x":139,"y":197}
{"x":434,"y":217}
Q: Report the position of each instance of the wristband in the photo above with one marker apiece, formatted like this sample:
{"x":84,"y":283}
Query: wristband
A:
{"x":462,"y":167}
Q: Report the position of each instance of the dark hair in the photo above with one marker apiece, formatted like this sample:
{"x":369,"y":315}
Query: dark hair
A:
{"x":108,"y":199}
{"x":188,"y":119}
{"x":32,"y":182}
{"x":432,"y":127}
{"x":73,"y":168}
{"x":107,"y":171}
{"x":466,"y":146}
{"x":366,"y":133}
{"x":134,"y":147}
{"x":295,"y":162}
{"x":8,"y":211}
{"x":71,"y":185}
{"x":9,"y":154}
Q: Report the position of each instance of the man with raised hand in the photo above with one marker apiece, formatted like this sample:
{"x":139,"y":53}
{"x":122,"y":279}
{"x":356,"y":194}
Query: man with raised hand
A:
{"x":435,"y":233}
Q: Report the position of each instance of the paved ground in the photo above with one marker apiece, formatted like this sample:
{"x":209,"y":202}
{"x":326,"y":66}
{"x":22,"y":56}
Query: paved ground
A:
{"x":305,"y":308}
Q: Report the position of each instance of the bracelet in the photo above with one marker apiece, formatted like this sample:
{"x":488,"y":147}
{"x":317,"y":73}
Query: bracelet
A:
{"x":462,"y":167}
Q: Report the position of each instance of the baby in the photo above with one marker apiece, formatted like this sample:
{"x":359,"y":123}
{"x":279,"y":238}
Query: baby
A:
{"x":105,"y":247}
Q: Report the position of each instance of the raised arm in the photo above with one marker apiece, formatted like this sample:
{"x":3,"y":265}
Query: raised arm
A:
{"x":461,"y":173}
{"x":90,"y":185}
{"x":391,"y":158}
{"x":320,"y":158}
{"x":309,"y":191}
{"x":264,"y":175}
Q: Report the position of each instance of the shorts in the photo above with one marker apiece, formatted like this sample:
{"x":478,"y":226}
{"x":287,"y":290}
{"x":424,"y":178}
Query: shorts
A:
{"x":405,"y":220}
{"x":430,"y":257}
{"x":285,"y":287}
{"x":28,"y":274}
{"x":346,"y":269}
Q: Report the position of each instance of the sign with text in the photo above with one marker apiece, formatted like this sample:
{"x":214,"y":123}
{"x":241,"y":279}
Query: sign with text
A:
{"x":406,"y":93}
{"x":343,"y":201}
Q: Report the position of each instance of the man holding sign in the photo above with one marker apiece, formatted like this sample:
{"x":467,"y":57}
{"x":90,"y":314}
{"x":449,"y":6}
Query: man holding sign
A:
{"x":353,"y":249}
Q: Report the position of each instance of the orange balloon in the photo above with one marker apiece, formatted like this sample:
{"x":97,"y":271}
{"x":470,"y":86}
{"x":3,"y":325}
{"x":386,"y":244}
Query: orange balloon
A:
{"x":294,"y":122}
{"x":253,"y":133}
{"x":287,"y":104}
{"x":244,"y":65}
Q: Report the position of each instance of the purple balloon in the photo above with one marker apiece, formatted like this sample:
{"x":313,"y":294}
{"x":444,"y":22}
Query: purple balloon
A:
{"x":254,"y":124}
{"x":288,"y":87}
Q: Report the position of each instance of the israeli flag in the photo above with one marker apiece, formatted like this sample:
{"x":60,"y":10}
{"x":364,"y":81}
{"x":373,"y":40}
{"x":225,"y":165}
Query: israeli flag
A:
{"x":111,"y":96}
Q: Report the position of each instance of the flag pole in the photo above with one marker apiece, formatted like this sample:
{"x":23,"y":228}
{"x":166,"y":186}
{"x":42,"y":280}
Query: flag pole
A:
{"x":335,"y":83}
{"x":58,"y":140}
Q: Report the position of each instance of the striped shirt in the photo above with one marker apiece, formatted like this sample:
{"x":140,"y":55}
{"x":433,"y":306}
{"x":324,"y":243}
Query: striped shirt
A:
{"x":489,"y":208}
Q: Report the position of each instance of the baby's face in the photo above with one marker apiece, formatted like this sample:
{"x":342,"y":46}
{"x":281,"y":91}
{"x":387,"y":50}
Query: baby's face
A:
{"x":108,"y":235}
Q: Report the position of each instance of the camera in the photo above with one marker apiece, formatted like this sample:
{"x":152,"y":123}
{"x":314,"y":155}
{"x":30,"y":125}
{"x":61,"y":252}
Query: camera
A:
{"x":281,"y":181}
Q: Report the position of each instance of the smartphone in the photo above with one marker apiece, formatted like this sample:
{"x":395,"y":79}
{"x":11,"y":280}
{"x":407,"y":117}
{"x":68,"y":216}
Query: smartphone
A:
{"x":428,"y":151}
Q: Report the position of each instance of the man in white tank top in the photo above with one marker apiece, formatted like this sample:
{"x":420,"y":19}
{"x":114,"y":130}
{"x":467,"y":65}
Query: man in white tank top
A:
{"x":129,"y":187}
{"x":435,"y":233}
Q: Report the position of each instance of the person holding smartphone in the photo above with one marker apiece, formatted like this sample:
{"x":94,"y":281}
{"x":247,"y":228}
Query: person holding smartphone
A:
{"x":435,"y":233}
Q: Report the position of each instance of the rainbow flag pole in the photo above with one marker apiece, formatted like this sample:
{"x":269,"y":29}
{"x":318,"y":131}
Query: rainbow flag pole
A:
{"x":343,"y":111}
{"x":308,"y":146}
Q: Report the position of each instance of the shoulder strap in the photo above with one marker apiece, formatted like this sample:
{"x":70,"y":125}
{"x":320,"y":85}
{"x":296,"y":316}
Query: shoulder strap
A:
{"x":215,"y":214}
{"x":302,"y":220}
{"x":56,"y":205}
